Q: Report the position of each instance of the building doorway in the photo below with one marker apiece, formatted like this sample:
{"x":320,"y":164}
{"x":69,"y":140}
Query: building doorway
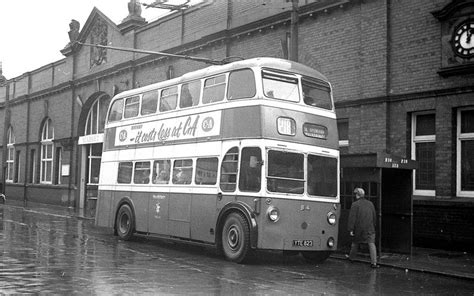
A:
{"x":91,"y":144}
{"x":387,"y":182}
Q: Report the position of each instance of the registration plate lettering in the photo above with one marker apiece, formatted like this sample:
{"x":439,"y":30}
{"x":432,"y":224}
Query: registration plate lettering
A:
{"x":302,"y":243}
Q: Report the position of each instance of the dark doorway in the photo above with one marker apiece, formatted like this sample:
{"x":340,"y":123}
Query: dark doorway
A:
{"x":387,"y":182}
{"x":397,"y":210}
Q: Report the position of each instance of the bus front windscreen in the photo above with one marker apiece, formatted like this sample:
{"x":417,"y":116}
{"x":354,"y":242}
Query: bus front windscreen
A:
{"x":285,"y":172}
{"x":322,"y":176}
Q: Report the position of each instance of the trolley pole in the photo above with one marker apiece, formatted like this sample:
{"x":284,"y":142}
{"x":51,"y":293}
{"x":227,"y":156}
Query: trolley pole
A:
{"x":294,"y":31}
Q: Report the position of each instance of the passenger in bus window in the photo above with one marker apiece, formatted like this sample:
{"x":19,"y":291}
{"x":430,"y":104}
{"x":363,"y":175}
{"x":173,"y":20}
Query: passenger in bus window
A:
{"x":182,"y":176}
{"x":142,"y":177}
{"x":161,"y":172}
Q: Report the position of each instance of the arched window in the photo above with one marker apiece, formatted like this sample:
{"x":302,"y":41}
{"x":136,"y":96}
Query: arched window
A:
{"x":47,"y":136}
{"x":10,"y":155}
{"x":96,"y":117}
{"x":95,"y":122}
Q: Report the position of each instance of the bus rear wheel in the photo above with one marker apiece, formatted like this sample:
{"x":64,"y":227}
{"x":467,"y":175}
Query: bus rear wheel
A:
{"x":315,"y":256}
{"x":235,"y":238}
{"x":125,"y":222}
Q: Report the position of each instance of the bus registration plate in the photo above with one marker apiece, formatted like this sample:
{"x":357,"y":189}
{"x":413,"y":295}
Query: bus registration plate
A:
{"x":302,"y":243}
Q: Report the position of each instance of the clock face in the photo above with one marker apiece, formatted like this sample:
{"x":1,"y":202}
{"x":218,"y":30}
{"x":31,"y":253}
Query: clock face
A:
{"x":463,"y":39}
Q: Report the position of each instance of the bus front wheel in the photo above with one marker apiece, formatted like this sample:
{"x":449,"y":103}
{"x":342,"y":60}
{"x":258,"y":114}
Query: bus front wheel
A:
{"x":235,"y":238}
{"x":315,"y":256}
{"x":125,"y":223}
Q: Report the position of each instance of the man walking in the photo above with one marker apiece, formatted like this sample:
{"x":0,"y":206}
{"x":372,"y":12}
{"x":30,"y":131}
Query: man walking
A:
{"x":361,"y":226}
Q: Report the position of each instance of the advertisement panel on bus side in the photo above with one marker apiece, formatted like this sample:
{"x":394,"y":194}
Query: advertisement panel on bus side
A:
{"x":171,"y":129}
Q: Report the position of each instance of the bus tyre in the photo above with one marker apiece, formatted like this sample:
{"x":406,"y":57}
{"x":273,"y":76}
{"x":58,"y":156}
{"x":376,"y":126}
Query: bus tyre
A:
{"x":235,"y":238}
{"x":125,"y":223}
{"x":316,"y":256}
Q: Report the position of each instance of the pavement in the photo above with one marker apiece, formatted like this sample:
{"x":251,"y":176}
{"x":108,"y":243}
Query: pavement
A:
{"x":440,"y":262}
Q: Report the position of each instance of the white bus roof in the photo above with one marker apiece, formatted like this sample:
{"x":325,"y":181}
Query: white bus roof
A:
{"x":264,"y":62}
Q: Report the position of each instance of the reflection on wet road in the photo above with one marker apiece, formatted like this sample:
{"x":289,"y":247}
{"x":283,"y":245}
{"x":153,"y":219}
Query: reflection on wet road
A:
{"x":47,"y":253}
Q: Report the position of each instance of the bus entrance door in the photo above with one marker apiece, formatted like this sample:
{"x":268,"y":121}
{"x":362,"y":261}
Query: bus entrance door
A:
{"x":387,"y":182}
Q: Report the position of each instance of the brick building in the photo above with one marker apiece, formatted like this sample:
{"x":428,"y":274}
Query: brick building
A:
{"x":402,"y":73}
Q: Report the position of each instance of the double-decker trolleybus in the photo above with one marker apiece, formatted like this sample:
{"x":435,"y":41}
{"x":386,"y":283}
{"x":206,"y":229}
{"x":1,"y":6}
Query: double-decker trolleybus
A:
{"x":242,"y":156}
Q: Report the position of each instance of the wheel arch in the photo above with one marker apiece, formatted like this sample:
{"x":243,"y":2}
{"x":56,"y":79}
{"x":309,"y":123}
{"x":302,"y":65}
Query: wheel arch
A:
{"x":238,"y":207}
{"x":123,"y":201}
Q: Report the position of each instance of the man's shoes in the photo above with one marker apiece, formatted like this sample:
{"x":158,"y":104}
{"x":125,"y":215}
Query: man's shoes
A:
{"x":374,"y":265}
{"x":349,"y":258}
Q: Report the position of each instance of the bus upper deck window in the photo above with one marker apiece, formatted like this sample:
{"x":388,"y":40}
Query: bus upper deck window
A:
{"x":169,"y":99}
{"x":316,"y":94}
{"x":190,"y":93}
{"x":214,"y":89}
{"x":241,"y":84}
{"x":116,"y":110}
{"x":280,"y":86}
{"x":131,"y":107}
{"x":149,"y":102}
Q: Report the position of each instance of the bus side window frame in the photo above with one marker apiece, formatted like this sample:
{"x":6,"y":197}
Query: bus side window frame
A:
{"x":161,"y":97}
{"x":114,"y":115}
{"x":193,"y":102}
{"x":205,"y":100}
{"x":250,"y":170}
{"x":230,"y":80}
{"x":210,"y":175}
{"x":163,"y":176}
{"x":145,"y":95}
{"x":182,"y":175}
{"x":136,"y":111}
{"x":144,"y":178}
{"x":128,"y":167}
{"x":232,"y":170}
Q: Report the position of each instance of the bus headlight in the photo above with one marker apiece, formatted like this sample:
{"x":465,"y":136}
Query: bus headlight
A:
{"x":331,"y":218}
{"x":273,"y":214}
{"x":331,"y":242}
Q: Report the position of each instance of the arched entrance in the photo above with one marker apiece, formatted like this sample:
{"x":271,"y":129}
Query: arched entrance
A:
{"x":91,"y":127}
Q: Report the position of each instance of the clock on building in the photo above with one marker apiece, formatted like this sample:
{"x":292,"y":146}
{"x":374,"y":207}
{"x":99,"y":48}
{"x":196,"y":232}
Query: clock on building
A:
{"x":463,"y":39}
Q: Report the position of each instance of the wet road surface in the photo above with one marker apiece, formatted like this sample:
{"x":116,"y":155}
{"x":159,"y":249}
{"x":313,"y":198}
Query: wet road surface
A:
{"x":54,"y":254}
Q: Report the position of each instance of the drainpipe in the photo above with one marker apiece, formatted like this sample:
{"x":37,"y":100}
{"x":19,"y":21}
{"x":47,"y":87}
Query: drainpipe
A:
{"x":294,"y":31}
{"x":5,"y":132}
{"x":388,"y":71}
{"x":72,"y":156}
{"x":27,"y":156}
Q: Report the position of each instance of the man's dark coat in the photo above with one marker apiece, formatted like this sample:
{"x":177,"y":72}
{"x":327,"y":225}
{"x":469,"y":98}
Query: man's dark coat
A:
{"x":362,"y":219}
